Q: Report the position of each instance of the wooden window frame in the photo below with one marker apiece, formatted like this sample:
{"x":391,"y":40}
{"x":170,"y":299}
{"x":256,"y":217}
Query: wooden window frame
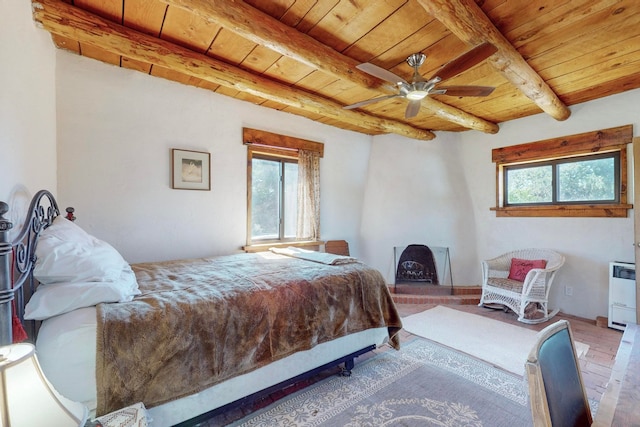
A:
{"x":602,"y":141}
{"x":275,"y":155}
{"x":274,"y":145}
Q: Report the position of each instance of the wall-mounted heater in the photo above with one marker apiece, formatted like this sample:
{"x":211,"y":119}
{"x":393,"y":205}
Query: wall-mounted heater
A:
{"x":622,"y":294}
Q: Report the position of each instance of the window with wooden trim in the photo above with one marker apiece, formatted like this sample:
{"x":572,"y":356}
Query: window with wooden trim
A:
{"x":579,"y":175}
{"x":274,"y":188}
{"x":282,"y":197}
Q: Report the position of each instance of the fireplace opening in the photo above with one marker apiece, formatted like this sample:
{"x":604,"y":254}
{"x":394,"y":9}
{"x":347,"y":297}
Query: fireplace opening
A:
{"x":417,"y":264}
{"x":420,"y":269}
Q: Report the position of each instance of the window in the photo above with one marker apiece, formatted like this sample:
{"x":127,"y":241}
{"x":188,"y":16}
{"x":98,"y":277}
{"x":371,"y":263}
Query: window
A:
{"x":274,"y":188}
{"x":283,"y":202}
{"x":577,"y":175}
{"x":588,"y":179}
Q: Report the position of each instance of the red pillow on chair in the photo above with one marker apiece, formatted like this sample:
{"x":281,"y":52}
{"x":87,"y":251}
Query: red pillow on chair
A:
{"x":520,"y":267}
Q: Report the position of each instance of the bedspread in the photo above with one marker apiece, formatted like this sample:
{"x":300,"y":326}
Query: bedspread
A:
{"x":199,"y":322}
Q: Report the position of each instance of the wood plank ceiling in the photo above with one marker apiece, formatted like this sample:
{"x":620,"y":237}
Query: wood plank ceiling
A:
{"x":300,"y":56}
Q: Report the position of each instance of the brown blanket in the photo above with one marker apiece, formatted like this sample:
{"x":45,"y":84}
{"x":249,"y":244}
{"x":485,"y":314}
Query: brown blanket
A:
{"x":199,"y":322}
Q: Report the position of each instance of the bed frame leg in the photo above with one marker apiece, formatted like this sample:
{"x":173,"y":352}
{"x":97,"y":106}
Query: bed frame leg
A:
{"x":348,"y":366}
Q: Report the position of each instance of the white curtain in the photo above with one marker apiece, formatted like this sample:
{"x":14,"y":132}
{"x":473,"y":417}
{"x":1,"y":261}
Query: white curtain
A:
{"x":308,"y":195}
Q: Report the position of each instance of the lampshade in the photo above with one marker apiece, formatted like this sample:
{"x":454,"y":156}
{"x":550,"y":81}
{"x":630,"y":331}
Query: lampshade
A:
{"x":27,"y":398}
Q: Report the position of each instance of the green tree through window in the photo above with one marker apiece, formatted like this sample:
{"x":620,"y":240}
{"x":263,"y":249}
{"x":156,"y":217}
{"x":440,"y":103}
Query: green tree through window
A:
{"x":274,"y":184}
{"x":592,"y":179}
{"x":530,"y":185}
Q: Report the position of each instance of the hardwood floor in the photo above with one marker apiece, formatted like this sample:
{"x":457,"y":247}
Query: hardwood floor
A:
{"x":596,"y":365}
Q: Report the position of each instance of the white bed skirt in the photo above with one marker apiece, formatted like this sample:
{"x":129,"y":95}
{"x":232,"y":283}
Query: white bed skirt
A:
{"x":66,"y":347}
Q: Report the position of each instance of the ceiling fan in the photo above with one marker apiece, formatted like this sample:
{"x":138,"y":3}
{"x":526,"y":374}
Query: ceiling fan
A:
{"x":419,"y":87}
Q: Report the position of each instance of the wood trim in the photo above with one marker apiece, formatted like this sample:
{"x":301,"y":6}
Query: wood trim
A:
{"x":262,"y":247}
{"x":499,"y":186}
{"x":598,"y":211}
{"x":259,"y":137}
{"x":272,"y":151}
{"x":583,"y":143}
{"x":338,"y":247}
{"x":624,"y":174}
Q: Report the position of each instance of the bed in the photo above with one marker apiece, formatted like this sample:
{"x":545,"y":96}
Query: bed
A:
{"x":185,"y":337}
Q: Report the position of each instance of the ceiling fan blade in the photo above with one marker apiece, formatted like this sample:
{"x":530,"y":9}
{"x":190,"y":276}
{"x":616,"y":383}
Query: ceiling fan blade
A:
{"x":412,"y":109}
{"x":467,"y":90}
{"x":380,"y":73}
{"x":369,"y":101}
{"x":466,"y":61}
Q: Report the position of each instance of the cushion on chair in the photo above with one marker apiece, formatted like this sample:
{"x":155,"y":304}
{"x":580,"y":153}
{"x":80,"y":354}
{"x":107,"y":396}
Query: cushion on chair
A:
{"x":506,"y":284}
{"x":520,"y":267}
{"x":531,"y":310}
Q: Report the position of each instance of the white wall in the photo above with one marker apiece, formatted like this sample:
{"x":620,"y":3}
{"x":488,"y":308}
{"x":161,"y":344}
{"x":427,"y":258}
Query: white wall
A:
{"x":27,"y":108}
{"x":416,"y":193}
{"x":115,"y":131}
{"x":589,"y":244}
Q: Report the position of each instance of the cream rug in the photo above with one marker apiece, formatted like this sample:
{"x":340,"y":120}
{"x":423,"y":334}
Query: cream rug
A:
{"x":501,"y":344}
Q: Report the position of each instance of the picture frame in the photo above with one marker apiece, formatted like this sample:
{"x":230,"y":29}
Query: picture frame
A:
{"x":190,"y":170}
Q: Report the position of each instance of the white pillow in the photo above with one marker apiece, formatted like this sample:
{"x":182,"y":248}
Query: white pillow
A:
{"x":76,"y":270}
{"x":66,"y":253}
{"x":57,"y":298}
{"x":66,"y":230}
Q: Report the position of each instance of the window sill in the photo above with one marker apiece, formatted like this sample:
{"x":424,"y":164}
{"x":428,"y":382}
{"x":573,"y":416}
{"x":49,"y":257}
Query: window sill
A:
{"x":600,"y":211}
{"x":261,"y":247}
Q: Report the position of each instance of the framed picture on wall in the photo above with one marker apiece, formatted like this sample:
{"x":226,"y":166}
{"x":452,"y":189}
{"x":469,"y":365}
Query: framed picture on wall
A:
{"x":190,"y":170}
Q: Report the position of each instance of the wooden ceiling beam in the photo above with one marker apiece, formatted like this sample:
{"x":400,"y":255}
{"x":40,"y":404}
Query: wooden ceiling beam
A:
{"x":69,"y":21}
{"x":262,"y":29}
{"x":468,"y":22}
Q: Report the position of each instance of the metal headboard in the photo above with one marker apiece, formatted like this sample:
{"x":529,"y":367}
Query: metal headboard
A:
{"x":17,"y":259}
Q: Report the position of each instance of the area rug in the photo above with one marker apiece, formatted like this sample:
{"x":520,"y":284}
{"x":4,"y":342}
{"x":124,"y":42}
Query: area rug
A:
{"x":502,"y":344}
{"x":424,"y":384}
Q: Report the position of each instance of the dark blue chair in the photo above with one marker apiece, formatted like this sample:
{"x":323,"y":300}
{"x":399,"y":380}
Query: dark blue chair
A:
{"x":556,"y":389}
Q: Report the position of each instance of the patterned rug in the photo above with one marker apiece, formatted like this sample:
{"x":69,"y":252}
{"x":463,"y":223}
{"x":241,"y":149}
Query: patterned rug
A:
{"x":423,"y":384}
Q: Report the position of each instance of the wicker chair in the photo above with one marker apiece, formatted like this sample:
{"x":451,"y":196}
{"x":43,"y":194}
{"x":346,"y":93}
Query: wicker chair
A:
{"x":528,"y":298}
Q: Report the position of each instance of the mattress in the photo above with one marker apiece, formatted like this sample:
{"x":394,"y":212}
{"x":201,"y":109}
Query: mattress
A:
{"x":66,"y":350}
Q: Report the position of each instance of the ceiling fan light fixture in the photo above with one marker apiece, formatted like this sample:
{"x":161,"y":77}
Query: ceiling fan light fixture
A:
{"x":419,"y":87}
{"x":417,"y":95}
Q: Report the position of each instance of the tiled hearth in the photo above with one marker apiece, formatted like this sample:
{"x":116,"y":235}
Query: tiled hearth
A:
{"x":434,"y":294}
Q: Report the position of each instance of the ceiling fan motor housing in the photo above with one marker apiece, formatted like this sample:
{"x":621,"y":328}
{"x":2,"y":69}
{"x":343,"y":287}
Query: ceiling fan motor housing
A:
{"x":415,"y":60}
